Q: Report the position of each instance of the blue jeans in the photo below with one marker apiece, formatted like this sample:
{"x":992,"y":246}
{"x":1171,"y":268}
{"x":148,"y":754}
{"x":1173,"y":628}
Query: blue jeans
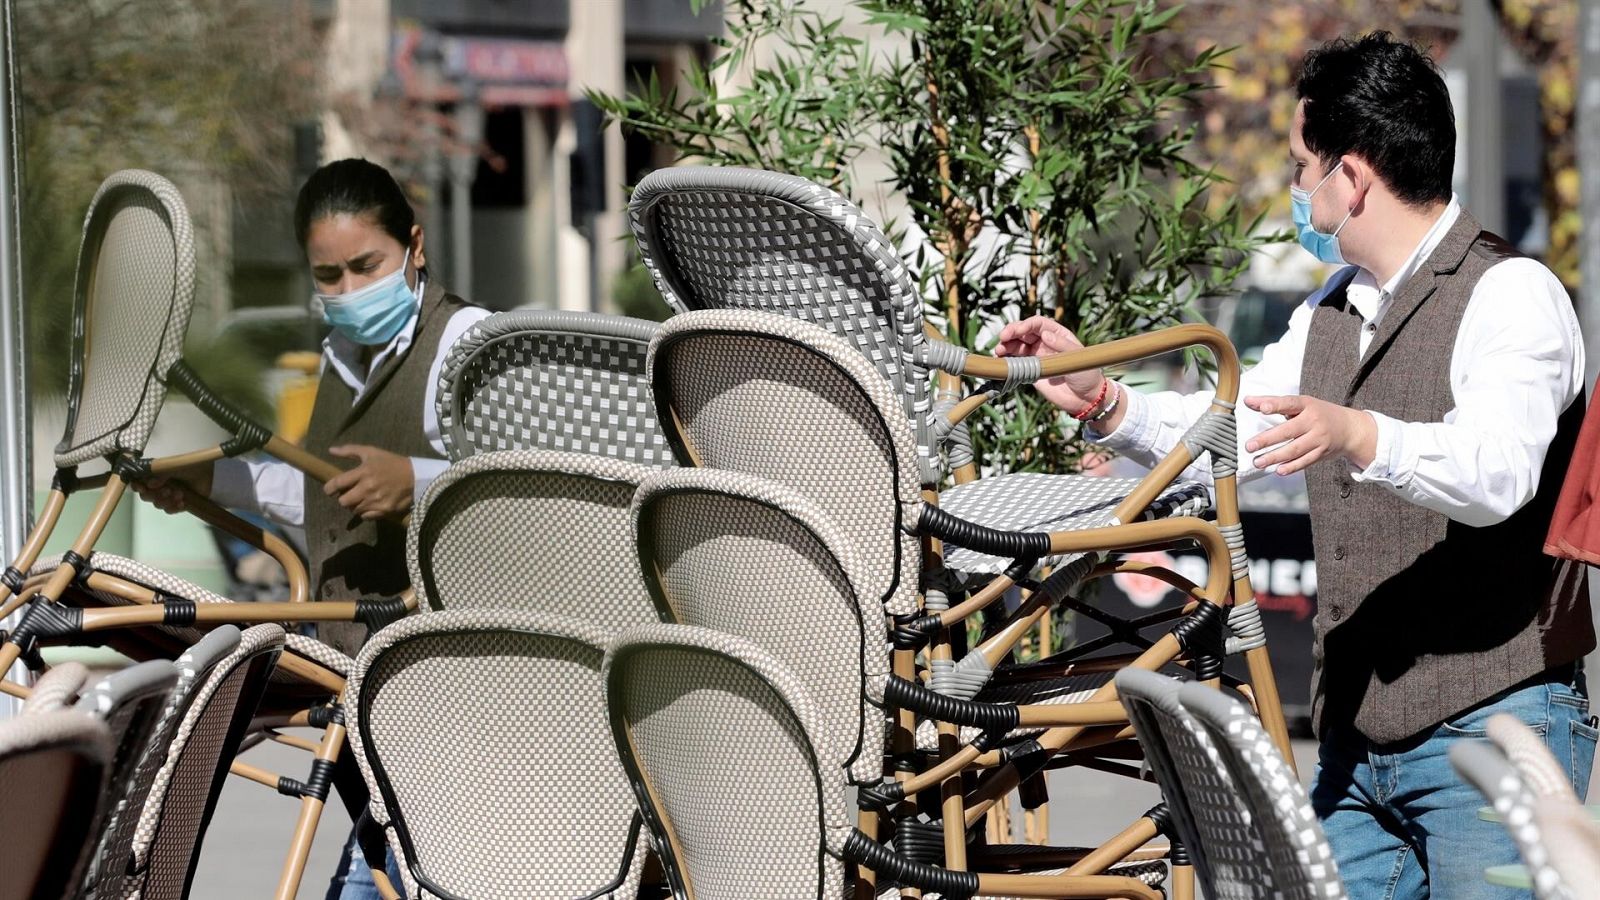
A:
{"x":353,"y":880}
{"x":1400,"y":821}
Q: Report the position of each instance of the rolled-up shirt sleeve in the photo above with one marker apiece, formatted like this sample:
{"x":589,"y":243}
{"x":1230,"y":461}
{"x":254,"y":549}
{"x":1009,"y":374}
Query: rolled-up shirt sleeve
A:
{"x":273,"y":489}
{"x":1155,"y":423}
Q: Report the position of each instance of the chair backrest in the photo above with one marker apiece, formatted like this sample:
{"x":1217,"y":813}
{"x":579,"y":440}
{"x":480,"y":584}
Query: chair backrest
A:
{"x":108,"y":870}
{"x":725,"y":752}
{"x":56,"y":689}
{"x":532,"y":529}
{"x":1485,"y":767}
{"x":787,"y":401}
{"x":1527,"y":751}
{"x":730,"y":238}
{"x":52,"y":769}
{"x":551,"y":380}
{"x":1297,"y":848}
{"x":1207,"y":806}
{"x":130,"y":311}
{"x":739,"y":554}
{"x":482,"y":737}
{"x":183,"y":794}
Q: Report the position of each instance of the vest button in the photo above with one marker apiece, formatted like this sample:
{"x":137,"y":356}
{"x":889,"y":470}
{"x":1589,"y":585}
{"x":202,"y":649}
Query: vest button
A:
{"x":1344,"y":490}
{"x":1336,"y":613}
{"x":1338,"y":553}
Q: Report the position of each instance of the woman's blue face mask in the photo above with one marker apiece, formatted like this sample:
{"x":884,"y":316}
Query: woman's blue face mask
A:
{"x":1320,"y":244}
{"x":373,"y":314}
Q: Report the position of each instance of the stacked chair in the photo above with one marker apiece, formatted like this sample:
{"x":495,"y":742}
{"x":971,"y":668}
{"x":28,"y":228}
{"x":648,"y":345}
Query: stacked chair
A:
{"x":680,"y":586}
{"x":1532,"y":795}
{"x":133,"y":295}
{"x":521,"y":557}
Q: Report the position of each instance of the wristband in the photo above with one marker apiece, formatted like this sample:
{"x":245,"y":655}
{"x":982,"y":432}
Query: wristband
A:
{"x":1105,"y":385}
{"x":1110,"y":408}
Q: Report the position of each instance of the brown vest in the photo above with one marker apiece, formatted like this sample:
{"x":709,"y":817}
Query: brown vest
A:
{"x":352,"y":558}
{"x":1419,"y":617}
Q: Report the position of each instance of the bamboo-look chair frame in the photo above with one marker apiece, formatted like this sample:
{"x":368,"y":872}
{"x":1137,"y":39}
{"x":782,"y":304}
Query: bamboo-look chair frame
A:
{"x":1067,"y":724}
{"x":882,"y":317}
{"x":853,"y":846}
{"x":153,"y":246}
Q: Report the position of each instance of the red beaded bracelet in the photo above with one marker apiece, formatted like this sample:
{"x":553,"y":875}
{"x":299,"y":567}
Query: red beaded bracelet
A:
{"x":1105,"y":385}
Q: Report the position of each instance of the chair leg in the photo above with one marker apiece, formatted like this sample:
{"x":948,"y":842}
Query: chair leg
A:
{"x":311,"y":802}
{"x":1183,"y":883}
{"x":1268,"y":706}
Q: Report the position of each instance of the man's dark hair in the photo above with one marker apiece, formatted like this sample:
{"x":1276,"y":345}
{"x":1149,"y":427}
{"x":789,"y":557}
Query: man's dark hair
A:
{"x":358,"y":188}
{"x":1384,"y":101}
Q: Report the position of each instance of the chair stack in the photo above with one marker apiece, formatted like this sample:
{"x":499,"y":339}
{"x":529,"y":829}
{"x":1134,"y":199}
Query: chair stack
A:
{"x":680,"y":587}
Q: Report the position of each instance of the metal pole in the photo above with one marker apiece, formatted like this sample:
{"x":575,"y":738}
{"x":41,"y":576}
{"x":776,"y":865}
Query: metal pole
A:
{"x":463,"y":170}
{"x":16,"y":431}
{"x":1486,"y":183}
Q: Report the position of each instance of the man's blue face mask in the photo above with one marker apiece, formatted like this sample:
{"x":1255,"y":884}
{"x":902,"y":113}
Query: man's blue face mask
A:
{"x":374,"y":314}
{"x":1320,"y":244}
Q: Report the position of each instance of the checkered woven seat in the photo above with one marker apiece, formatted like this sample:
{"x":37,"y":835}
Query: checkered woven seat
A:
{"x":1486,"y":767}
{"x":1036,"y":501}
{"x":114,"y":848}
{"x":742,"y":555}
{"x":693,"y":713}
{"x":172,"y":821}
{"x":51,"y":769}
{"x":1235,"y":802}
{"x":481,"y":734}
{"x":551,"y":380}
{"x":540,"y":530}
{"x":134,"y":293}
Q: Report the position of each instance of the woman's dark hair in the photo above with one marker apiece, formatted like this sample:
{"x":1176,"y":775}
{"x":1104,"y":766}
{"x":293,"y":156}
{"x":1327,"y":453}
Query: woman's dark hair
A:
{"x":358,"y":188}
{"x":1384,"y":101}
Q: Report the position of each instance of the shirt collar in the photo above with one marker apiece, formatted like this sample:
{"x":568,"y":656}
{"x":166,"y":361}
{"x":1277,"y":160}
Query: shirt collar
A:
{"x":1364,"y":293}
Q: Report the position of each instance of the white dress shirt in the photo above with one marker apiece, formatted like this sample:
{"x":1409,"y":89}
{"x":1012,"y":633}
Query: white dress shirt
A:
{"x":277,"y":490}
{"x":1517,"y":365}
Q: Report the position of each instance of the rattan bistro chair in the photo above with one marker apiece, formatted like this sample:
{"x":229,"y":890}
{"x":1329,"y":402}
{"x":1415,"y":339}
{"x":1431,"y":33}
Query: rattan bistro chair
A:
{"x":133,"y":295}
{"x":114,"y":848}
{"x":172,"y":823}
{"x":785,"y":400}
{"x":512,"y":790}
{"x":1486,"y":767}
{"x":729,"y":238}
{"x":52,"y":773}
{"x":1240,"y":810}
{"x":738,"y":779}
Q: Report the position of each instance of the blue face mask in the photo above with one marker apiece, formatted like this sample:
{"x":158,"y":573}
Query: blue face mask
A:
{"x":1320,"y":244}
{"x":374,"y":314}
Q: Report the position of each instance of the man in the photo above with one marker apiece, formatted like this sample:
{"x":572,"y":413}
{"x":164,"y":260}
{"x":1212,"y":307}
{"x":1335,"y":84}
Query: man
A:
{"x":1431,"y":392}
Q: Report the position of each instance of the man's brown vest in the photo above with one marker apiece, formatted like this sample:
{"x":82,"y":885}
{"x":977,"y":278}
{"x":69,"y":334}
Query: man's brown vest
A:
{"x":352,"y":558}
{"x":1419,"y":617}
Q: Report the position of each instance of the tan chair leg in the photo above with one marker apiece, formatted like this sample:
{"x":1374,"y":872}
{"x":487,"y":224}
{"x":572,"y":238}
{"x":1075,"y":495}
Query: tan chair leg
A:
{"x":310,"y":814}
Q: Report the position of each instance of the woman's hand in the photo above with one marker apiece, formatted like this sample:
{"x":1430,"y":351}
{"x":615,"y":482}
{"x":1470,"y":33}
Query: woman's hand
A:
{"x":380,"y":486}
{"x":1044,"y":336}
{"x":164,"y":491}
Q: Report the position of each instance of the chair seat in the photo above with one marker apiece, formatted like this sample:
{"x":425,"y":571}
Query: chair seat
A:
{"x":1050,"y":692}
{"x":1038,"y":501}
{"x":173,"y":586}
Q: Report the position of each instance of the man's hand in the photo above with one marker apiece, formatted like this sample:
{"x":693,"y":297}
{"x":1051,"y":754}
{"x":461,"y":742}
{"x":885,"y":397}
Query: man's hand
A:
{"x":1316,"y":429}
{"x":380,"y":486}
{"x":1044,"y":336}
{"x":163,"y":492}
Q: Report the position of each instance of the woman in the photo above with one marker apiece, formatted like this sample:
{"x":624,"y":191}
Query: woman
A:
{"x":375,"y":404}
